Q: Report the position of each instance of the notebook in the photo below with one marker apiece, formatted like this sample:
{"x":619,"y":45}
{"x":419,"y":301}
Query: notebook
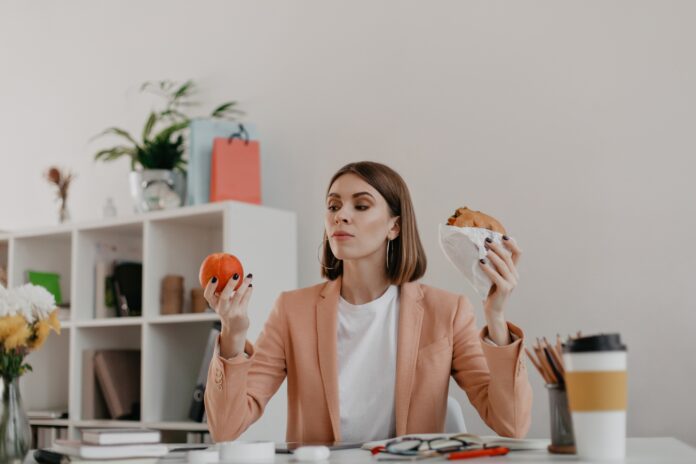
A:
{"x":118,"y":374}
{"x":119,"y":436}
{"x":86,"y":451}
{"x":76,"y":460}
{"x":93,"y":402}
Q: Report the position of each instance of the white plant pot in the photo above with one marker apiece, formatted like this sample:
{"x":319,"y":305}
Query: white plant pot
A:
{"x":156,"y":189}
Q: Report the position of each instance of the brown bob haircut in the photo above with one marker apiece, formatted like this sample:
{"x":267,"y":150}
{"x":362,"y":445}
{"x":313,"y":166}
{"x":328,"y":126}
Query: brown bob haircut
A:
{"x":407,"y":261}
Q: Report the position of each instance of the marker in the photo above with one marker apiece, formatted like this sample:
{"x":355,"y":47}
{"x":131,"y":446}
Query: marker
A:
{"x":495,"y":451}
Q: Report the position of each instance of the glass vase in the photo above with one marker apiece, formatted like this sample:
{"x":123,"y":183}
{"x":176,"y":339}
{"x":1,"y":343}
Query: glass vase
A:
{"x":15,"y":432}
{"x":63,"y":213}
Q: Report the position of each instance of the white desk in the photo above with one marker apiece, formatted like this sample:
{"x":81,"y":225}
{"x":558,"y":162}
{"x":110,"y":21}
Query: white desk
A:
{"x":639,"y":450}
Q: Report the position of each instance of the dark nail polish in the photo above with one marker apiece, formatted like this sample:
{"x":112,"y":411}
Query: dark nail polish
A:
{"x":214,"y":279}
{"x":249,"y":276}
{"x":505,"y":237}
{"x":482,"y":261}
{"x":489,"y":240}
{"x":235,"y":276}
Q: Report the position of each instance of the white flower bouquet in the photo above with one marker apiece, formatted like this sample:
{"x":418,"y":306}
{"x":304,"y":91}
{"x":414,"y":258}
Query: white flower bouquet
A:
{"x":27,"y":315}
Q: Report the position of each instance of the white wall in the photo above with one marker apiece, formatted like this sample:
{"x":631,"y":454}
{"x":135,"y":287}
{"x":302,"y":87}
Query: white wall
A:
{"x":572,"y":122}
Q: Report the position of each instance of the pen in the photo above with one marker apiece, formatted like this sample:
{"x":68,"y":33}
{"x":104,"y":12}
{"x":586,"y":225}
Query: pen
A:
{"x":50,"y":457}
{"x":496,"y":451}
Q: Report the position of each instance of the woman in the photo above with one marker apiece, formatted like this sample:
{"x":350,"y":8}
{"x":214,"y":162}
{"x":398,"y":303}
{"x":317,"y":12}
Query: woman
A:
{"x":368,"y":354}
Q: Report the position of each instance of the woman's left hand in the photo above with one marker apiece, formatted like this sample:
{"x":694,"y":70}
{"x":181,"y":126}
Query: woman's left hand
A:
{"x":500,"y":265}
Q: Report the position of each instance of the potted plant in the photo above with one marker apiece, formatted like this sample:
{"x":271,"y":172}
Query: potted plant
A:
{"x":158,"y":164}
{"x":27,"y":315}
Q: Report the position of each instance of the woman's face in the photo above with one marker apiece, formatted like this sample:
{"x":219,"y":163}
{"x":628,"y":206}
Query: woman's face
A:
{"x":354,"y":207}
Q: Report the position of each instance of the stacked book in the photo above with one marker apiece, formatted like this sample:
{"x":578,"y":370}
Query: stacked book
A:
{"x":121,"y":443}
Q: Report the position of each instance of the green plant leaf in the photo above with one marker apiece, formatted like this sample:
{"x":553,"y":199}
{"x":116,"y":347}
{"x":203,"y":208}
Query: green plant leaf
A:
{"x":114,"y":153}
{"x":149,"y":125}
{"x":157,"y":86}
{"x":116,"y":131}
{"x":161,"y":153}
{"x":167,"y":132}
{"x":184,"y":90}
{"x":223,"y":108}
{"x":173,"y":114}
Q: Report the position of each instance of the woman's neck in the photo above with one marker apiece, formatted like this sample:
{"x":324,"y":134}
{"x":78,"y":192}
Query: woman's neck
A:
{"x":362,"y":282}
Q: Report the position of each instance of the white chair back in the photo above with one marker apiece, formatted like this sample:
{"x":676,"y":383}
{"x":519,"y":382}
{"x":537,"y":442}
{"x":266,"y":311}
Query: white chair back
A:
{"x":454,"y":420}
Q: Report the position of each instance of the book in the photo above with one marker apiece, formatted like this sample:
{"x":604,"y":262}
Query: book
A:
{"x":47,"y":435}
{"x":87,"y":451}
{"x":47,"y":414}
{"x":75,"y":460}
{"x":93,"y":402}
{"x":513,"y":444}
{"x":118,"y":373}
{"x":102,"y":273}
{"x":119,"y":436}
{"x":197,"y":409}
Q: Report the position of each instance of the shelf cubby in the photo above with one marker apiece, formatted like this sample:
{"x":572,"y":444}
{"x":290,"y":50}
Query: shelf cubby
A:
{"x":46,"y":387}
{"x":45,"y":253}
{"x":178,"y":246}
{"x":94,"y":339}
{"x":171,"y":367}
{"x":123,"y":242}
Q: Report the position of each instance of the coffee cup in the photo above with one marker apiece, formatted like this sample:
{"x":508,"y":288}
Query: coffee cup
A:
{"x":596,"y":383}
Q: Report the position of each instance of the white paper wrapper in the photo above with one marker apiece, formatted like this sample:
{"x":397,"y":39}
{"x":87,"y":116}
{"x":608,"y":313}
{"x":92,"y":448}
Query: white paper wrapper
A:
{"x":464,"y":247}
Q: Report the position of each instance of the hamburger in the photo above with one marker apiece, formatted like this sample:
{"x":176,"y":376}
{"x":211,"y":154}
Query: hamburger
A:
{"x":465,"y":217}
{"x":463,"y":241}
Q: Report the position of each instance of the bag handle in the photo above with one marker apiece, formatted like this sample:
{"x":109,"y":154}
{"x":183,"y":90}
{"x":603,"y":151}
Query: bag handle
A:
{"x":241,"y":134}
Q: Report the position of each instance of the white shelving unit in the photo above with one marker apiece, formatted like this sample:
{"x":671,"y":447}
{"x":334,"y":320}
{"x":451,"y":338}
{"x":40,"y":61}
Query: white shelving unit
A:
{"x":172,"y":346}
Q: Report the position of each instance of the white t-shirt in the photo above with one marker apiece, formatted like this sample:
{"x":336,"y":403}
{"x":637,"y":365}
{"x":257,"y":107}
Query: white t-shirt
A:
{"x":366,"y":351}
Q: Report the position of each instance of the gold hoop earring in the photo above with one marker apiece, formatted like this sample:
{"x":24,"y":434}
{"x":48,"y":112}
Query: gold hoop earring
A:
{"x":319,"y":258}
{"x":388,"y":247}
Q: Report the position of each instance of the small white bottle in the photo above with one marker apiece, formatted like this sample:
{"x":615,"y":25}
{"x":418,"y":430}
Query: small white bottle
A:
{"x":109,"y":208}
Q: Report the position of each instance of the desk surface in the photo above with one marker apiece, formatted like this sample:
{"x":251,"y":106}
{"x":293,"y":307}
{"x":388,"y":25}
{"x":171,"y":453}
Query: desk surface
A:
{"x":639,"y":450}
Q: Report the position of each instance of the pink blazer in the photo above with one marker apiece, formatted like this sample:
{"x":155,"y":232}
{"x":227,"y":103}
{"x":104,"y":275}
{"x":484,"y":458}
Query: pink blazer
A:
{"x":437,"y":338}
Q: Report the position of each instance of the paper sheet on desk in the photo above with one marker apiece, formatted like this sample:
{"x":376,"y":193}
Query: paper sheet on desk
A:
{"x":464,"y":247}
{"x":514,"y":444}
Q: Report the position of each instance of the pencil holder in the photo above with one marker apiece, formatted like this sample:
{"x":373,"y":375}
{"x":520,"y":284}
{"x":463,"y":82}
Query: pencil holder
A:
{"x":562,"y":439}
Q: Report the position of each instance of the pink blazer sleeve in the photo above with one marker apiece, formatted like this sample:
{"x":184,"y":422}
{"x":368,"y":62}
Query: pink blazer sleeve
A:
{"x":493,"y":377}
{"x":238,"y":389}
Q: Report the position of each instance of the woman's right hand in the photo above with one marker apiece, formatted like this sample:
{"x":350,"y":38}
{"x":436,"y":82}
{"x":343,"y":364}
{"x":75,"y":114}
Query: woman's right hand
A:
{"x":231,"y":306}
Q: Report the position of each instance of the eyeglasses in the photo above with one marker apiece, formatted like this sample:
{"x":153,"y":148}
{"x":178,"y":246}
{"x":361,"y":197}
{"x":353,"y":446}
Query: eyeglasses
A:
{"x":416,"y":446}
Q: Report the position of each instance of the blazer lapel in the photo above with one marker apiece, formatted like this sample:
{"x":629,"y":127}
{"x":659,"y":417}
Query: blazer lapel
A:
{"x":410,"y":319}
{"x":327,"y":309}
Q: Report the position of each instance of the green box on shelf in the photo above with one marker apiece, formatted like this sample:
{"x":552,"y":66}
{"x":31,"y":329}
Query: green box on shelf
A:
{"x":48,"y":280}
